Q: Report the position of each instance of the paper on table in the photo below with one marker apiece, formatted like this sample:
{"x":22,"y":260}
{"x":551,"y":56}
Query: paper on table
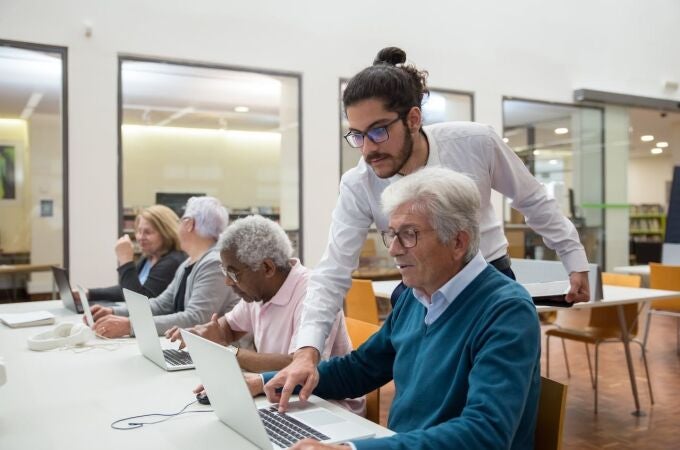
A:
{"x":29,"y":319}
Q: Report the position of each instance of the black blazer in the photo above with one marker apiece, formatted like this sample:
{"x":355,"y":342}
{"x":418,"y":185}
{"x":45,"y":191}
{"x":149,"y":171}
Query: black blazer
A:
{"x":159,"y":278}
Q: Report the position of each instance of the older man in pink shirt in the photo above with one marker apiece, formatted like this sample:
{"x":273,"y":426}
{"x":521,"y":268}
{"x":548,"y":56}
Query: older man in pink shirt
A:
{"x":257,"y":265}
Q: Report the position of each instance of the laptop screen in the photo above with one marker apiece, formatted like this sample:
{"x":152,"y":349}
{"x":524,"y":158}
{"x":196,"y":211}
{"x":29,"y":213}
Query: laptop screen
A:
{"x":61,"y":277}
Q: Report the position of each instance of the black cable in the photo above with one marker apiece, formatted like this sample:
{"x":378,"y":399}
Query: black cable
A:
{"x":134,"y":425}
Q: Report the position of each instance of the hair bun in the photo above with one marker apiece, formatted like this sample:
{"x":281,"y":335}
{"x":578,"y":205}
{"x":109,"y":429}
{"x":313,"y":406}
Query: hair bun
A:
{"x":390,"y":55}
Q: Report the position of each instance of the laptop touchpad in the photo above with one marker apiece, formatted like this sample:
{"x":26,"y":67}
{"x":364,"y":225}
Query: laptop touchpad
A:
{"x":318,"y":417}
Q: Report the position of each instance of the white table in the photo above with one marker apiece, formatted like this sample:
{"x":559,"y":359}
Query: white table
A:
{"x":63,"y":399}
{"x":613,"y":296}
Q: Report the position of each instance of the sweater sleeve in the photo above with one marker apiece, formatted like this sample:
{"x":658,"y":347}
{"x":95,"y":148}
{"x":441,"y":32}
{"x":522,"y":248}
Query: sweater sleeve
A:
{"x":111,"y":293}
{"x":505,"y":367}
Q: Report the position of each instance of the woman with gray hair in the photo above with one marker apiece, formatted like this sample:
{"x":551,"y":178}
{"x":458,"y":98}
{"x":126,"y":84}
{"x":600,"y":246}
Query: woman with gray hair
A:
{"x":197,"y":290}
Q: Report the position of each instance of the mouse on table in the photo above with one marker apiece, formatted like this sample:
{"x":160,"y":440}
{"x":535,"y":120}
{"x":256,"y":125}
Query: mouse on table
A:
{"x":202,"y":398}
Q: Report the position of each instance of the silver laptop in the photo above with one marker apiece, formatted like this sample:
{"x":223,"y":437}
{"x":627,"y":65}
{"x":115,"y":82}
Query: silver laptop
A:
{"x":66,"y":294}
{"x":149,"y":343}
{"x":221,"y":375}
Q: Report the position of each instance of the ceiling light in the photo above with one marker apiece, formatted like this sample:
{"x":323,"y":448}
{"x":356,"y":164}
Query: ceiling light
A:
{"x":647,"y":138}
{"x":662,"y":144}
{"x":537,"y":152}
{"x":553,"y":162}
{"x":656,"y":151}
{"x":561,"y":130}
{"x":506,"y":140}
{"x":241,"y":109}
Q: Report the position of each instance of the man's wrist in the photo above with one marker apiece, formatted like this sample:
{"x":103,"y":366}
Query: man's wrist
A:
{"x":308,"y":353}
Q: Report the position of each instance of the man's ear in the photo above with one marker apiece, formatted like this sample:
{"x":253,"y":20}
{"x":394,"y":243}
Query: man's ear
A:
{"x":459,"y":245}
{"x":269,"y":268}
{"x":414,"y":119}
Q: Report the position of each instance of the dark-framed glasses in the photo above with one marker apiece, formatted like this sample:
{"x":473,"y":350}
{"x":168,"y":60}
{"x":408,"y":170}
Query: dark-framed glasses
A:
{"x":408,"y":237}
{"x":376,"y":135}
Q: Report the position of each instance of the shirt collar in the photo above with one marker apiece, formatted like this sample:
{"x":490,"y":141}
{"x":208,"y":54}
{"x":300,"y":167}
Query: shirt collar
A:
{"x":284,"y":294}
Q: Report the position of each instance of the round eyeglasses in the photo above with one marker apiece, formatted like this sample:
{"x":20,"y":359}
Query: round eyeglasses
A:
{"x":376,"y":135}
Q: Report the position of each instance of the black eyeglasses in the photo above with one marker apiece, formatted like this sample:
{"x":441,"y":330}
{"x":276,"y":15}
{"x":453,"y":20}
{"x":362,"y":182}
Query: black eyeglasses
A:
{"x":376,"y":135}
{"x":408,"y":238}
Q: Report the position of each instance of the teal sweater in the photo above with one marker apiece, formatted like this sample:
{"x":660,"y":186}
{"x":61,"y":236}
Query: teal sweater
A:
{"x":470,"y":380}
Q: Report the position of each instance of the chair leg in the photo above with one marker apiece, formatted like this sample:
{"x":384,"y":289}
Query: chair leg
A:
{"x":566,"y":359}
{"x":647,"y":323}
{"x":597,"y":354}
{"x":590,"y":367}
{"x":547,"y":356}
{"x":677,"y":335}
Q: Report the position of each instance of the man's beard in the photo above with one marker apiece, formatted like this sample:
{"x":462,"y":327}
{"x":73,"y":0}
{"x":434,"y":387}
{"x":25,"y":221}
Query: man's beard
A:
{"x":401,"y":158}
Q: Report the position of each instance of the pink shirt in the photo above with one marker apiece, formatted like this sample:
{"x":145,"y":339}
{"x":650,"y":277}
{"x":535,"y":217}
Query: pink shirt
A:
{"x":275,"y":324}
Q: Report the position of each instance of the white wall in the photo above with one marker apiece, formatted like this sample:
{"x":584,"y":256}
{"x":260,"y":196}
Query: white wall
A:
{"x":647,"y":179}
{"x":527,"y":48}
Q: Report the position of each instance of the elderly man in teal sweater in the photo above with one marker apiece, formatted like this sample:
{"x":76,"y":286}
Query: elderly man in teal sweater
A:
{"x":462,"y":343}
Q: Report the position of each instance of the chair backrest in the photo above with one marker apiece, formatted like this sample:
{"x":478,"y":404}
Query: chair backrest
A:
{"x":606,"y":319}
{"x":550,"y":419}
{"x":359,"y":332}
{"x":664,"y":276}
{"x":360,"y":302}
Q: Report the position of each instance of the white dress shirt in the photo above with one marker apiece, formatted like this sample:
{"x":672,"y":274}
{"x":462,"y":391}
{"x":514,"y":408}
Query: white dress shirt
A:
{"x":470,"y":148}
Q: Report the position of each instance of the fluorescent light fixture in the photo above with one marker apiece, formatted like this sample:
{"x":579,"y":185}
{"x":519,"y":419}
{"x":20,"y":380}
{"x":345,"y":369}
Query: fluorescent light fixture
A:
{"x":33,"y":101}
{"x":506,"y":140}
{"x":242,"y":109}
{"x":647,"y":138}
{"x":662,"y":144}
{"x":656,"y":151}
{"x":553,"y":162}
{"x":561,"y":130}
{"x":537,"y":152}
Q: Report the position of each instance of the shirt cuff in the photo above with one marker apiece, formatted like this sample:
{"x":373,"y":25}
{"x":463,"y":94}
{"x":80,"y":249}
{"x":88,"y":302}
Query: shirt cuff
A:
{"x":575,"y":261}
{"x":310,"y":336}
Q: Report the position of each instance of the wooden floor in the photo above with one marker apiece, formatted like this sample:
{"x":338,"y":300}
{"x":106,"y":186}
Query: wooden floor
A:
{"x":614,"y":427}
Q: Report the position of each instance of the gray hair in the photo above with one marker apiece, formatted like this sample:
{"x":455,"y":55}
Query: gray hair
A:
{"x":254,"y":239}
{"x":450,"y":201}
{"x":210,"y":217}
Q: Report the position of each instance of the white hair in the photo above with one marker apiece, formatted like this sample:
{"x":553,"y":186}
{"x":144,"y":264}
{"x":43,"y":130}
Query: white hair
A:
{"x":254,"y":239}
{"x":210,"y":217}
{"x":450,"y":201}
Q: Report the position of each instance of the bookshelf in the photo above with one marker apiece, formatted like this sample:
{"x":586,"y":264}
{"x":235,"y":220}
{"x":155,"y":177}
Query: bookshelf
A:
{"x":647,"y":229}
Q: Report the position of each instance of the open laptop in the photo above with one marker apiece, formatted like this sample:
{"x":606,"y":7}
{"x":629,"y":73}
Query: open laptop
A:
{"x":86,"y":305}
{"x":66,"y":294}
{"x":148,"y":341}
{"x":221,"y":375}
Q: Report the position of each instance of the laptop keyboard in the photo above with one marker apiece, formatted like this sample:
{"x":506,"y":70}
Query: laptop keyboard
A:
{"x":284,"y":430}
{"x":177,"y":357}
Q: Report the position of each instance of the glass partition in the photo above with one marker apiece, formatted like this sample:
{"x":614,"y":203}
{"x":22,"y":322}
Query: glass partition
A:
{"x":201,"y":130}
{"x":33,"y":177}
{"x":562,"y":145}
{"x":440,"y":106}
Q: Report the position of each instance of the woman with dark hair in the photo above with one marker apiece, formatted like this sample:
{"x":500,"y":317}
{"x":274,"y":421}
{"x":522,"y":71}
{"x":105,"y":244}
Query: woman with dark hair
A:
{"x":383,"y":106}
{"x":156,"y":235}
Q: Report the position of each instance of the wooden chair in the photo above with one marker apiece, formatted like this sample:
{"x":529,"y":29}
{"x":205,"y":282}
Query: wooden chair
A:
{"x":360,"y":302}
{"x":552,"y":405}
{"x":603,"y":327}
{"x":359,"y":332}
{"x":663,"y":276}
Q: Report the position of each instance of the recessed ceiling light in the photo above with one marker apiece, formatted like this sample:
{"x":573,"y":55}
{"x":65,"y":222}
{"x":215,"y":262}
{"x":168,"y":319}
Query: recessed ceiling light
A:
{"x":662,"y":144}
{"x":537,"y":152}
{"x":553,"y":162}
{"x":561,"y":130}
{"x":241,"y":109}
{"x":506,"y":140}
{"x":656,"y":151}
{"x":647,"y":138}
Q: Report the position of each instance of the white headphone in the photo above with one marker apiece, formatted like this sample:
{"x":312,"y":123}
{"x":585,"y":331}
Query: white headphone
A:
{"x":64,"y":334}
